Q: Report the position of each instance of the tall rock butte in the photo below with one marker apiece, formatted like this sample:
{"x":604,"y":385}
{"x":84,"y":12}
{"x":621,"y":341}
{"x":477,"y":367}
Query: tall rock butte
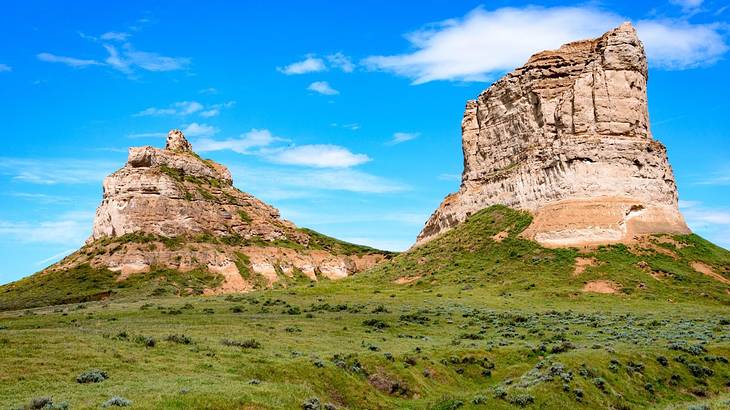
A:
{"x":170,"y":209}
{"x":567,"y":138}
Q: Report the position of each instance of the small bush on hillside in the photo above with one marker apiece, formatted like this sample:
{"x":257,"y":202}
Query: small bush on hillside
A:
{"x":148,"y":341}
{"x":479,"y":399}
{"x":243,"y":344}
{"x":179,"y":339}
{"x":117,"y":401}
{"x":92,"y":376}
{"x":522,"y":400}
{"x":45,"y":403}
{"x":312,"y":403}
{"x":375,"y":323}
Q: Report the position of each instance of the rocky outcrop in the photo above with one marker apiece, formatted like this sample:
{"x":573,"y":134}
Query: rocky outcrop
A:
{"x":169,"y":208}
{"x":567,"y":138}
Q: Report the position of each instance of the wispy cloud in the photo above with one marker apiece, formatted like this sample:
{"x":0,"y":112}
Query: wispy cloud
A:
{"x":312,"y":180}
{"x":54,"y":258}
{"x":313,"y":64}
{"x":400,"y":137}
{"x":310,"y":64}
{"x":708,"y":221}
{"x":449,"y":177}
{"x":208,"y":91}
{"x":687,"y":5}
{"x":68,"y":228}
{"x":720,"y":178}
{"x":4,"y":68}
{"x":341,"y":61}
{"x":178,"y":108}
{"x":115,"y":36}
{"x":199,"y":130}
{"x":121,"y":56}
{"x":482,"y":44}
{"x":322,"y":87}
{"x":318,"y":156}
{"x":679,"y":45}
{"x":351,"y":126}
{"x":40,"y":198}
{"x":56,"y":171}
{"x":243,"y":144}
{"x":183,"y":108}
{"x":69,"y":61}
{"x":146,"y":135}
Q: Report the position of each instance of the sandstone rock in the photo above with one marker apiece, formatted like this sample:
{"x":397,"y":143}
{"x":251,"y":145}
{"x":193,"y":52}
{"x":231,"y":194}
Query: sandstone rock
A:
{"x":567,"y":138}
{"x":171,"y":209}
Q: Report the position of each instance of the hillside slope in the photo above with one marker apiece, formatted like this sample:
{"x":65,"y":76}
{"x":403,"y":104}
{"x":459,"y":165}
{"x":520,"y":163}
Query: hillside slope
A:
{"x":476,"y":318}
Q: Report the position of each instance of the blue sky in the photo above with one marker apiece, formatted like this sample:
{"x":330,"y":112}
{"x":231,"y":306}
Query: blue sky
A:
{"x":346,"y":116}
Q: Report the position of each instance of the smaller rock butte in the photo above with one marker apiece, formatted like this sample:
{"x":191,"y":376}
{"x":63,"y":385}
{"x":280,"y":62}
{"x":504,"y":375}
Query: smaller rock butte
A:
{"x":173,"y":193}
{"x":567,"y":138}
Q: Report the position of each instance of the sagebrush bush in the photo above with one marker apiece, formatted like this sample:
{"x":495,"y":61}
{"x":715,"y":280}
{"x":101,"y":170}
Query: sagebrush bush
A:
{"x":92,"y":376}
{"x":117,"y":401}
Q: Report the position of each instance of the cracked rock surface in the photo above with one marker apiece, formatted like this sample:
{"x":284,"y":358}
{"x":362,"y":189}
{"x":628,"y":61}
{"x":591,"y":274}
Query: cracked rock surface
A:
{"x":567,"y":138}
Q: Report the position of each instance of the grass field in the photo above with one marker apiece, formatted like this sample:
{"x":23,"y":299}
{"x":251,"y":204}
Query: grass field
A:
{"x":469,"y":320}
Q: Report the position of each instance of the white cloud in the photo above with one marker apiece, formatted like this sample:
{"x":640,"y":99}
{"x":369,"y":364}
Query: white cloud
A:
{"x":318,"y":156}
{"x":125,"y":59}
{"x":147,"y":135}
{"x":341,"y":61}
{"x":114,"y":36}
{"x":40,"y":198}
{"x":199,"y":130}
{"x":322,"y":87}
{"x":483,"y":44}
{"x":708,"y":221}
{"x":208,"y":91}
{"x":687,"y":5}
{"x":310,"y":64}
{"x":178,"y":108}
{"x":69,"y":61}
{"x":56,"y":257}
{"x":72,"y":227}
{"x":243,"y":144}
{"x":678,"y":45}
{"x":400,"y":137}
{"x":5,"y":68}
{"x":310,"y":180}
{"x":56,"y":171}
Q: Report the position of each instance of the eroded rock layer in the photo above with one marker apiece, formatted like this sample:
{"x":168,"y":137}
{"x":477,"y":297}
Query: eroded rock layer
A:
{"x":567,"y":138}
{"x":170,"y":209}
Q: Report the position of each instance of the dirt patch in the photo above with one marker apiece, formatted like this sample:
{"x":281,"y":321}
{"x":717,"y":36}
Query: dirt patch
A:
{"x":499,"y":237}
{"x":601,"y":286}
{"x":388,"y":384}
{"x":656,"y":274}
{"x":404,"y":280}
{"x":581,"y":264}
{"x":706,"y":270}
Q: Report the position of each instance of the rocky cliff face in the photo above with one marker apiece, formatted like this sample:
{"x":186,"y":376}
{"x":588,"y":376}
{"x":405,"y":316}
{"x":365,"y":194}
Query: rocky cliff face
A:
{"x":567,"y":138}
{"x":170,"y":209}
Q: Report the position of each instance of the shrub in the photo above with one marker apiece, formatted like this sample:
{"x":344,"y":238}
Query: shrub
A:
{"x":600,"y":383}
{"x":522,"y":400}
{"x":375,"y":323}
{"x":662,"y":361}
{"x":179,"y":339}
{"x":117,"y":401}
{"x":292,"y":310}
{"x":45,"y":403}
{"x":312,"y":403}
{"x":243,"y":344}
{"x":479,"y":399}
{"x":148,"y":341}
{"x":92,"y":376}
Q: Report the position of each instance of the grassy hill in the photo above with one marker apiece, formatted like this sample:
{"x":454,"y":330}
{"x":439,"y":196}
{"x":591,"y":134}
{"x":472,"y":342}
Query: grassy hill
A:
{"x":477,"y":318}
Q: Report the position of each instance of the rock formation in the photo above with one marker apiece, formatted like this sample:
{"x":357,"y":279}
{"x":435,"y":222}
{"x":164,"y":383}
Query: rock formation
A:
{"x":567,"y":138}
{"x":171,"y":209}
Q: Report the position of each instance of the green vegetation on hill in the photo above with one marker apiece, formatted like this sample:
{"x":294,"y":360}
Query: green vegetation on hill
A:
{"x":467,"y":320}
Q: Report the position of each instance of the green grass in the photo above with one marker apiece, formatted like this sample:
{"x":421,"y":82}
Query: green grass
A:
{"x":488,"y":325}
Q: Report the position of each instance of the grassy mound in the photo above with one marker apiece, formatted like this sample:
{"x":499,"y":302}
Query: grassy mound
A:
{"x":477,"y":318}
